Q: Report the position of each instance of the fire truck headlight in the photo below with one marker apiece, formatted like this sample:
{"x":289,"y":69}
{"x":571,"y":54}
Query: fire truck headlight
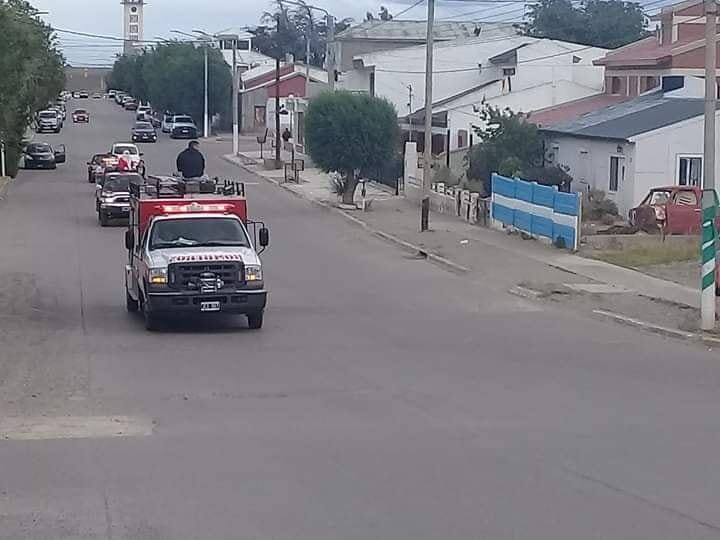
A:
{"x":158,"y":276}
{"x":253,"y":273}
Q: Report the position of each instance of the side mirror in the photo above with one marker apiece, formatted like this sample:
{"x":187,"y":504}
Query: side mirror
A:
{"x":129,"y":240}
{"x":264,"y":237}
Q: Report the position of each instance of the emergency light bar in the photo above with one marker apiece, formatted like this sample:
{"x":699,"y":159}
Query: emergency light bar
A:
{"x":194,"y":207}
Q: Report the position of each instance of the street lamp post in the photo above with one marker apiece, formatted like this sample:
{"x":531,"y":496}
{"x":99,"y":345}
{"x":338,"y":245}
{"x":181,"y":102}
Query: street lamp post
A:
{"x":205,"y":40}
{"x":236,"y":90}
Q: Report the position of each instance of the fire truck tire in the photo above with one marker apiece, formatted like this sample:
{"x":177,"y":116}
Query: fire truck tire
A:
{"x":151,"y":320}
{"x":255,"y":320}
{"x":131,"y":304}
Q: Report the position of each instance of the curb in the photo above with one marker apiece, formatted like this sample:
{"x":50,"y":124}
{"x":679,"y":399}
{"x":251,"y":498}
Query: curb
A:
{"x":655,"y":328}
{"x":4,"y":187}
{"x":403,"y":244}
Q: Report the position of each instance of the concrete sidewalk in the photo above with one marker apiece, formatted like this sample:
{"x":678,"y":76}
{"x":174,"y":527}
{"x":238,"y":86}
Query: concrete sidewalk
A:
{"x":472,"y":249}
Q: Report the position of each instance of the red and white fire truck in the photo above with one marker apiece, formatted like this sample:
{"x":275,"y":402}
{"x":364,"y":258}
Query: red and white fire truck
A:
{"x":191,"y":250}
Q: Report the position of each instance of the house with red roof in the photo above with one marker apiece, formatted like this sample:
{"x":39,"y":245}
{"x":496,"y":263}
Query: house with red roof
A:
{"x":646,"y":129}
{"x":675,"y":51}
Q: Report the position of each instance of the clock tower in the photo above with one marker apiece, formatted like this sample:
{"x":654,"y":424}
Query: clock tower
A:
{"x":132,"y":25}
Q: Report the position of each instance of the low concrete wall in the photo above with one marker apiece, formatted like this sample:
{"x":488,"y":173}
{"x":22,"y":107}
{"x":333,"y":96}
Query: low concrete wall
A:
{"x":619,"y":242}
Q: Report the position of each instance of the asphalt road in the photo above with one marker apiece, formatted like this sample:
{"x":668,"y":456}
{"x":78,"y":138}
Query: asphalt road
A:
{"x":384,"y":399}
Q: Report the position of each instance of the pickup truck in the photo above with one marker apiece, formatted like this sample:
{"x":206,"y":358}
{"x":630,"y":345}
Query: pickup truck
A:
{"x":190,"y":251}
{"x":48,"y":120}
{"x":676,"y":209}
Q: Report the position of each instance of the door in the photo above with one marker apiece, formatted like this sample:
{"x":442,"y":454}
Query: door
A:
{"x":60,"y":153}
{"x":683,"y":212}
{"x":259,"y":116}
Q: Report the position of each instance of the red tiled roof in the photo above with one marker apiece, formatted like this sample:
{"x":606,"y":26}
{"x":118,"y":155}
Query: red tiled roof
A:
{"x":572,"y":109}
{"x":645,"y":52}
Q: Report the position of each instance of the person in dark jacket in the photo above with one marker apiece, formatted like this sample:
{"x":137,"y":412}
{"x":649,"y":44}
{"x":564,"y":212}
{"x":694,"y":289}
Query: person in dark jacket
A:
{"x":190,"y":162}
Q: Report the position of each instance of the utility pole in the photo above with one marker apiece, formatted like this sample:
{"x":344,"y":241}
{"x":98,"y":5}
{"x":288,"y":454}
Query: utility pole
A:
{"x":277,"y":97}
{"x":410,"y":109}
{"x":235,"y":108}
{"x":709,"y":205}
{"x":330,"y":51}
{"x":307,"y":59}
{"x":206,"y":119}
{"x":427,"y":150}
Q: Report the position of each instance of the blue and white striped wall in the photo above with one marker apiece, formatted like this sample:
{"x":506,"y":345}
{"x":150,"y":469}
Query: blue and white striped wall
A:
{"x":541,"y":211}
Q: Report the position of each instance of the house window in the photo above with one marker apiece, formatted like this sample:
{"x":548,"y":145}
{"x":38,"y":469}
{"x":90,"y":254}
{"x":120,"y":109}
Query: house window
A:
{"x":615,"y":85}
{"x":134,"y":28}
{"x":372,"y":84}
{"x":617,"y":172}
{"x":134,"y":18}
{"x":462,"y":138}
{"x":689,"y":171}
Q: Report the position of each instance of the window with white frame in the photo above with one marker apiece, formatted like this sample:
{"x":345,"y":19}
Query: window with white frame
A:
{"x":689,"y":170}
{"x":617,"y":172}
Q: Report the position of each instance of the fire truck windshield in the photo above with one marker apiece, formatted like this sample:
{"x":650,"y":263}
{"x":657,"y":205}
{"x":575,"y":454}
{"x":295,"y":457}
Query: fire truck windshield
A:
{"x":197,"y":232}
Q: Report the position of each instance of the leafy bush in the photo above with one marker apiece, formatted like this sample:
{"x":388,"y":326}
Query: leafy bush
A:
{"x":549,"y":176}
{"x":596,"y":206}
{"x":508,"y":144}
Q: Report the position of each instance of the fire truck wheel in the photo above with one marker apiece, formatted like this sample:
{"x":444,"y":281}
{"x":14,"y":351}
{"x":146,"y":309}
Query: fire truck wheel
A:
{"x":151,"y":320}
{"x":255,"y":320}
{"x":131,"y":304}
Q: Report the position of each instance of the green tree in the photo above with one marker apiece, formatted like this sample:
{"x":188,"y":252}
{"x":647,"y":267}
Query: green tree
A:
{"x":171,"y":77}
{"x":600,"y":23}
{"x":297,"y":24}
{"x":508,"y":145}
{"x":346,"y":132}
{"x":33,"y":71}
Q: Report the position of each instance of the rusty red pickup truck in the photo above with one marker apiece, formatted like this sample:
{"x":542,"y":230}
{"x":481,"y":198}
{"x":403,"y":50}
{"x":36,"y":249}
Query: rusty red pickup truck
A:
{"x":675,"y":210}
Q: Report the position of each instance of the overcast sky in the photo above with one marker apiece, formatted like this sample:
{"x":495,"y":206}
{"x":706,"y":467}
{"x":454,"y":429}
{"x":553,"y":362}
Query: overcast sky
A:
{"x":105,"y":17}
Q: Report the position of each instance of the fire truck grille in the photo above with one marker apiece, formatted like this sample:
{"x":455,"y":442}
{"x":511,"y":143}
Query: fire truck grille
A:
{"x":196,"y":276}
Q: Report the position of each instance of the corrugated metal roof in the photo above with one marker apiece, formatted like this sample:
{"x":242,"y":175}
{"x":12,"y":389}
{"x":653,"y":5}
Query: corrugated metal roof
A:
{"x":416,"y":30}
{"x":624,"y":120}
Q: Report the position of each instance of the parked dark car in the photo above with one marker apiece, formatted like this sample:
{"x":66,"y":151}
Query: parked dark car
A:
{"x":130,"y":105}
{"x":42,"y":156}
{"x":144,"y":132}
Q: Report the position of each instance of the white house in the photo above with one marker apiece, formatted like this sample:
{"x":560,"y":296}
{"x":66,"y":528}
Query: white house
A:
{"x":519,"y":72}
{"x":246,"y":58}
{"x":628,"y":148}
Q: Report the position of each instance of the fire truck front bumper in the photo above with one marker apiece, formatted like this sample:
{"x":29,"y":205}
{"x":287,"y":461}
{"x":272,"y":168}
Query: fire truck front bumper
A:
{"x":240,"y":302}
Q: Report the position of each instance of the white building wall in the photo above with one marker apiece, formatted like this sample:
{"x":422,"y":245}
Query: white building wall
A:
{"x":658,"y":153}
{"x":651,"y":159}
{"x":462,"y":115}
{"x":588,"y":161}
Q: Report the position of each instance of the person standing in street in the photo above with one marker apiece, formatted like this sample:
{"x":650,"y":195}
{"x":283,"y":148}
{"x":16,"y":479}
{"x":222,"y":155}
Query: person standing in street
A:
{"x":190,"y":162}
